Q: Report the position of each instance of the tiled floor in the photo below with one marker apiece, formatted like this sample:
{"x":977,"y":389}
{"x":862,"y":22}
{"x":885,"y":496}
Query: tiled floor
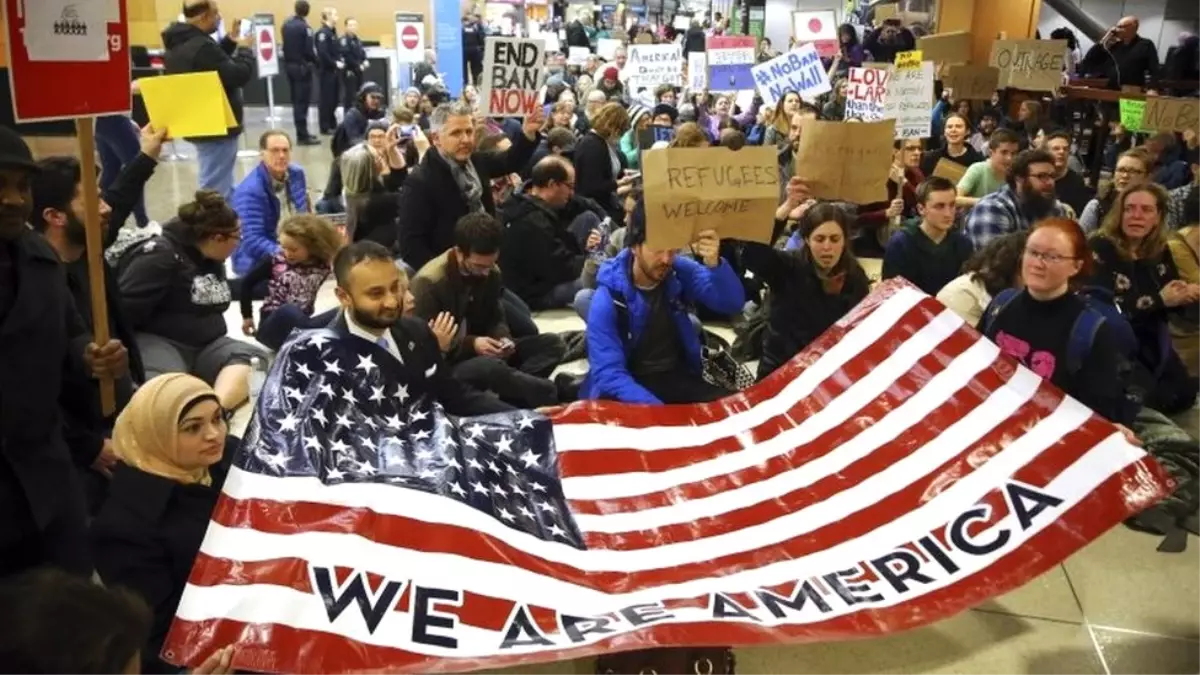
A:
{"x":1117,"y":606}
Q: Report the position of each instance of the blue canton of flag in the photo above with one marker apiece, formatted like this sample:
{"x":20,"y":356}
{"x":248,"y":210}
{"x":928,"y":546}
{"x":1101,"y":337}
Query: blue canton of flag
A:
{"x":335,"y":408}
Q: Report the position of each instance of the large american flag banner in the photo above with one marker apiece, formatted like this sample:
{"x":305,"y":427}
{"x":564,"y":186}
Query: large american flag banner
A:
{"x":898,"y":471}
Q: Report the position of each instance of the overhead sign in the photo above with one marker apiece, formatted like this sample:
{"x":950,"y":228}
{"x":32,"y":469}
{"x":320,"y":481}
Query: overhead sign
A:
{"x":866,"y":93}
{"x":819,"y":29}
{"x":800,"y":70}
{"x":512,"y":76}
{"x":410,"y":37}
{"x":730,"y":60}
{"x":79,"y":49}
{"x":648,"y":66}
{"x":266,"y":48}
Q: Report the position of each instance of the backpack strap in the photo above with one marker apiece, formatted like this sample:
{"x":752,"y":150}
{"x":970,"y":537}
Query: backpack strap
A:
{"x":1002,"y":300}
{"x":1082,"y":337}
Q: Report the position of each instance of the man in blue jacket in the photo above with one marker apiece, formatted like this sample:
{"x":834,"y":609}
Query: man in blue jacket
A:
{"x":642,"y":346}
{"x":273,"y":190}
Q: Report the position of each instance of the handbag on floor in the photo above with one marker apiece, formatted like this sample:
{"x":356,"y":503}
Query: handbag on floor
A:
{"x":721,"y":369}
{"x":668,"y":661}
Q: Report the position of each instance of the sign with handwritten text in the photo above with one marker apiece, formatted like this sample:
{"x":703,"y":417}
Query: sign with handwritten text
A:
{"x":800,"y":70}
{"x":866,"y":92}
{"x":909,"y":100}
{"x":1034,"y":65}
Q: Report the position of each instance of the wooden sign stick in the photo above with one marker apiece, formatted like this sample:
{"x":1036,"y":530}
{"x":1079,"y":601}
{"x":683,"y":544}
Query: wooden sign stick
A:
{"x":85,"y":127}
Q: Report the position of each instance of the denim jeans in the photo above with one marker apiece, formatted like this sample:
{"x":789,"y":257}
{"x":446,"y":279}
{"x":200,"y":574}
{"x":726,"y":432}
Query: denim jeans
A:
{"x":117,"y":142}
{"x":216,"y":160}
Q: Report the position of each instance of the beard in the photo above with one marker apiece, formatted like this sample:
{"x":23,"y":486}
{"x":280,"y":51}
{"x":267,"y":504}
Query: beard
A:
{"x":1038,"y":204}
{"x":76,"y":231}
{"x":382,"y":320}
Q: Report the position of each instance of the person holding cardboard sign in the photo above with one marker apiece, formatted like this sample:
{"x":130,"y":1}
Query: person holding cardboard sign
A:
{"x":642,"y":347}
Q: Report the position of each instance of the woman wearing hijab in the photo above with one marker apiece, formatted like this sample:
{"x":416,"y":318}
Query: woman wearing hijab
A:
{"x":172,"y":440}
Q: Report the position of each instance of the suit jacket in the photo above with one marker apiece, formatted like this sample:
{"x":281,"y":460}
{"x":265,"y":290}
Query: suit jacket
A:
{"x":431,"y":202}
{"x":426,"y":373}
{"x":41,"y":339}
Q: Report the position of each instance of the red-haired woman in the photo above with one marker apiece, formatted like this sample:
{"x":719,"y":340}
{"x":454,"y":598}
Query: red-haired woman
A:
{"x":1035,"y":324}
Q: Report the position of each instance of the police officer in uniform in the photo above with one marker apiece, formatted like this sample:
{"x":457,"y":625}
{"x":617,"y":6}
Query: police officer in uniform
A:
{"x":329,"y":67}
{"x":355,"y":57}
{"x":299,"y":61}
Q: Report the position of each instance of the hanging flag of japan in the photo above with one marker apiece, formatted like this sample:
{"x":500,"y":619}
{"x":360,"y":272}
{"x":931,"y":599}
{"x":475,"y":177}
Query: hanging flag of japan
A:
{"x":730,"y":58}
{"x":894,"y":473}
{"x":819,"y":28}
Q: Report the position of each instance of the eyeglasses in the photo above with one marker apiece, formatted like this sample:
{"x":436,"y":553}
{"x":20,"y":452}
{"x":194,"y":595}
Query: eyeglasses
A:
{"x":1048,"y":258}
{"x":1042,"y":176}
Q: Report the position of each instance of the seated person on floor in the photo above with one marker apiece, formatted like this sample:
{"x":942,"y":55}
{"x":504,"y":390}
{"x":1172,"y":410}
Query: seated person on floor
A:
{"x":550,"y":237}
{"x":293,"y":277}
{"x":272,"y":191}
{"x":352,"y":130}
{"x":1028,"y":197}
{"x":990,"y":270}
{"x":810,"y":288}
{"x":373,"y":293}
{"x":465,"y":283}
{"x":929,"y":252}
{"x":174,"y":294}
{"x":642,"y":346}
{"x":1133,"y":264}
{"x":1185,"y":251}
{"x":175,"y":450}
{"x":983,"y":178}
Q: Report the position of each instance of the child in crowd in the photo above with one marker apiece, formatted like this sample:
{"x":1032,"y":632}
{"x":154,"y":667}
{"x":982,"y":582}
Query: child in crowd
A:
{"x":294,"y":275}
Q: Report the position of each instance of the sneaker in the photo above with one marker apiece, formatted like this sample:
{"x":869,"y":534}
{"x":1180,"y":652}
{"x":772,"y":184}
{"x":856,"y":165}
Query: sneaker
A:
{"x":309,"y":140}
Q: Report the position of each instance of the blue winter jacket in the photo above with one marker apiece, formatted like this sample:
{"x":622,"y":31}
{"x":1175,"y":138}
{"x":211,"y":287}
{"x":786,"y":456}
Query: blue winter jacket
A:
{"x":608,"y":375}
{"x":259,"y":210}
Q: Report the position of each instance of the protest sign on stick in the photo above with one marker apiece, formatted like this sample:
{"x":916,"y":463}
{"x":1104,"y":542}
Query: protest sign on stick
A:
{"x":800,"y":70}
{"x":866,"y":92}
{"x":689,"y":190}
{"x":847,"y":162}
{"x":512,"y":76}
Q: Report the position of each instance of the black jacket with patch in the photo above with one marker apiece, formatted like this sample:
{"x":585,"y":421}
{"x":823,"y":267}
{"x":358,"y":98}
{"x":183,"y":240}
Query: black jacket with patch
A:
{"x":169,"y":289}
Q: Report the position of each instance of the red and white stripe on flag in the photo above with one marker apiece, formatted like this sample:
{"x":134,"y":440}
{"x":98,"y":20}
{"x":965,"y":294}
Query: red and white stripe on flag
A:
{"x":896,"y":472}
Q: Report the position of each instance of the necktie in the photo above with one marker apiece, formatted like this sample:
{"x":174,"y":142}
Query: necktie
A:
{"x":382,"y":342}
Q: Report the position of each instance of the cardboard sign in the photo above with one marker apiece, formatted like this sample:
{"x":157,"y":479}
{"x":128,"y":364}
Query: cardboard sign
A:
{"x":578,"y":56}
{"x":973,"y":83}
{"x":512,"y":76}
{"x":800,"y":70}
{"x":848,"y":162}
{"x":816,"y":28}
{"x":697,"y":71}
{"x":866,"y":93}
{"x":885,"y":12}
{"x":951,"y":171}
{"x":730,"y":62}
{"x":651,"y":65}
{"x":1034,"y":65}
{"x":909,"y":100}
{"x":949,"y":48}
{"x":689,"y":190}
{"x":878,"y":65}
{"x":643,"y":39}
{"x":1132,"y":112}
{"x":1170,"y":114}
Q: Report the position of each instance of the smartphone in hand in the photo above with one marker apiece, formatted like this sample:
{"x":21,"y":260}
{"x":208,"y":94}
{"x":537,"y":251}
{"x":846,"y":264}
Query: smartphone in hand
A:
{"x":245,"y":28}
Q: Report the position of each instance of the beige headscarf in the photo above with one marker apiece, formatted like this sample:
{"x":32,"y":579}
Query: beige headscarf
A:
{"x":146,"y":436}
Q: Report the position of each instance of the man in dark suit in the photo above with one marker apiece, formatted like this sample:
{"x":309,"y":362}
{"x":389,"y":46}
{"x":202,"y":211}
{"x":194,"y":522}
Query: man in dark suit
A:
{"x":42,"y":339}
{"x":453,"y":180}
{"x":299,"y":62}
{"x":373,"y":292}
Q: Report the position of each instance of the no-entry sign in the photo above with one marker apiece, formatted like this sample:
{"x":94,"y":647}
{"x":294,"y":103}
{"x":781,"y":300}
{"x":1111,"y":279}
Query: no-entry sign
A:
{"x":80,"y":50}
{"x":410,"y":37}
{"x":266,"y":49}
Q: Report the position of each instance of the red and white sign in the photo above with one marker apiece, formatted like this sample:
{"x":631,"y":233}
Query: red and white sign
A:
{"x":266,"y":48}
{"x":819,"y":28}
{"x":81,"y":48}
{"x":512,"y":76}
{"x":410,"y":37}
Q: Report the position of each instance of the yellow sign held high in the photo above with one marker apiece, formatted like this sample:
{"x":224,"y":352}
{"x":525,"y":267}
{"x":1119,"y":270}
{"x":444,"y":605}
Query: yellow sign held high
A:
{"x":909,"y":60}
{"x":189,"y":104}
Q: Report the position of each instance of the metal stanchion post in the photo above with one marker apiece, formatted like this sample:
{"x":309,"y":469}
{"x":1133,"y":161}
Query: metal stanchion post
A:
{"x":272,"y":118}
